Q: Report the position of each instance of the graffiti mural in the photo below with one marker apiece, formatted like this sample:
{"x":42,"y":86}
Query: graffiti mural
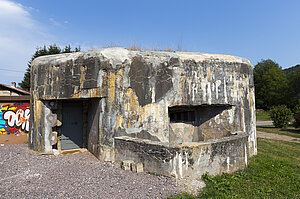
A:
{"x":14,"y":118}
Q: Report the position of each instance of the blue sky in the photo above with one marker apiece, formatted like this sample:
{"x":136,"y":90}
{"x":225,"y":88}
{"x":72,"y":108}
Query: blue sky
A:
{"x":252,"y":29}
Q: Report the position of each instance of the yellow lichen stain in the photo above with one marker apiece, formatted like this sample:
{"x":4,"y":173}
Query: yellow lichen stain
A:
{"x":82,"y":76}
{"x":76,"y":95}
{"x":182,"y":80}
{"x":133,"y":101}
{"x":95,"y":92}
{"x":132,"y":106}
{"x":151,"y":110}
{"x":92,"y":93}
{"x":127,"y":106}
{"x":209,"y":74}
{"x":111,"y":89}
{"x":37,"y":112}
{"x":250,"y":100}
{"x":172,"y":102}
{"x":76,"y":89}
{"x":119,"y":121}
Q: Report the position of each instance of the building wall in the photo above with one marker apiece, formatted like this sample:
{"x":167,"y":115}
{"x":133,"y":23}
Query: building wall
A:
{"x":137,"y":89}
{"x":8,"y":93}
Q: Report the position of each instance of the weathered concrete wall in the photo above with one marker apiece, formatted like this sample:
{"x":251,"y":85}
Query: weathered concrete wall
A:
{"x":187,"y":160}
{"x":135,"y":91}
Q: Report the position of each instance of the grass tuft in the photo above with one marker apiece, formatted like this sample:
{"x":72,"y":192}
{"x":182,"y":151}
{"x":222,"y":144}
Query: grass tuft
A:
{"x":134,"y":48}
{"x":262,"y":115}
{"x":273,"y":173}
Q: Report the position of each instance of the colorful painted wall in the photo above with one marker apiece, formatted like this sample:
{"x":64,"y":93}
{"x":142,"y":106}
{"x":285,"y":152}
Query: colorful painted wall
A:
{"x":14,"y":118}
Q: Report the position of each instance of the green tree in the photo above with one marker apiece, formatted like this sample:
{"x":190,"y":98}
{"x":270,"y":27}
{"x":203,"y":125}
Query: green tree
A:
{"x":294,"y":88}
{"x":270,"y":84}
{"x":50,"y":50}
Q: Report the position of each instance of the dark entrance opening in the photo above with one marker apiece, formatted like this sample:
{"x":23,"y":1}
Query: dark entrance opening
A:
{"x":182,"y":116}
{"x":72,"y":128}
{"x":195,"y":115}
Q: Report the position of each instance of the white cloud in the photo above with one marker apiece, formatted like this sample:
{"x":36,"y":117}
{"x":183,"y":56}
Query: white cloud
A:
{"x":20,"y":34}
{"x":12,"y":16}
{"x":57,"y":23}
{"x":54,"y":22}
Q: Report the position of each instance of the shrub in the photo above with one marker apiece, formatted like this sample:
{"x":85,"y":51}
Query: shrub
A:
{"x":281,"y":116}
{"x":296,"y":111}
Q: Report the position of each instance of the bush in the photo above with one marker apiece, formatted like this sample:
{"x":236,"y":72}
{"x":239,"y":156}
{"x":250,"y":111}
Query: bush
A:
{"x":281,"y":116}
{"x":296,"y":111}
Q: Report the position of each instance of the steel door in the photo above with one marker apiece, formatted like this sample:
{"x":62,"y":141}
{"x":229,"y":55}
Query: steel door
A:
{"x":72,"y":127}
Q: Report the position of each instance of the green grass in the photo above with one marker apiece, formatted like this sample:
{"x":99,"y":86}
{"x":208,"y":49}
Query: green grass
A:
{"x":289,"y":131}
{"x":262,"y":115}
{"x":273,"y":173}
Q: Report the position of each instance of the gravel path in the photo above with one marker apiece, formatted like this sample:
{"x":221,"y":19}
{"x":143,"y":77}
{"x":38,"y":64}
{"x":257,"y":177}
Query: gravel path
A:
{"x":79,"y":175}
{"x":274,"y":136}
{"x":263,"y":123}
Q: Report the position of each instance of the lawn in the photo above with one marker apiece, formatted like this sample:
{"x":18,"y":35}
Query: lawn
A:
{"x":262,"y":115}
{"x":273,"y":173}
{"x":289,"y":131}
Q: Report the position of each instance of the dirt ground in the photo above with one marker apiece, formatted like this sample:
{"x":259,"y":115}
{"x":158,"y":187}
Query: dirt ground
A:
{"x":13,"y":139}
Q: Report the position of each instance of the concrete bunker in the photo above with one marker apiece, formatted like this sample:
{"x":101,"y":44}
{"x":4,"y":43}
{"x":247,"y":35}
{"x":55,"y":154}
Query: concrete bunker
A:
{"x":181,"y":114}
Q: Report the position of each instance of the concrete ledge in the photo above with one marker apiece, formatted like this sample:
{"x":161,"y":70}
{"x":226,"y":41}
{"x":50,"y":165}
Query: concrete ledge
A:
{"x":187,"y":160}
